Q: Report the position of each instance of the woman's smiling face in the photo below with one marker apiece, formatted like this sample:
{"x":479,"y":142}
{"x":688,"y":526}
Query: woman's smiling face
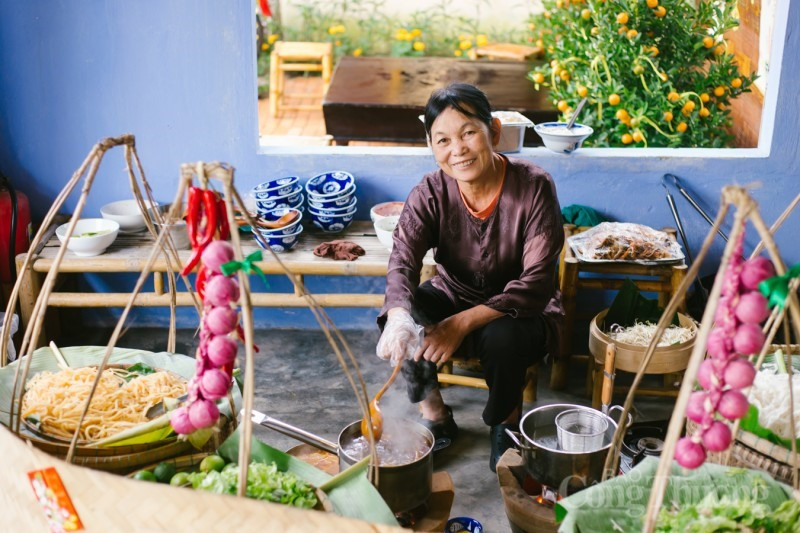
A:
{"x":462,"y":145}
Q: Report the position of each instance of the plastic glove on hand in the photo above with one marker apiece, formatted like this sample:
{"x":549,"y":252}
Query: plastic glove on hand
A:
{"x":400,"y":338}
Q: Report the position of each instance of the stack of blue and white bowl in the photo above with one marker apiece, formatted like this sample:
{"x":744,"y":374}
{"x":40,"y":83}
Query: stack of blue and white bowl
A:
{"x":273,"y":200}
{"x":332,"y":200}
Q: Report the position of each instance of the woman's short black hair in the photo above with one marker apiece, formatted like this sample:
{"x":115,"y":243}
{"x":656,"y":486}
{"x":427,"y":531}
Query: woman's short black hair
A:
{"x":464,"y":98}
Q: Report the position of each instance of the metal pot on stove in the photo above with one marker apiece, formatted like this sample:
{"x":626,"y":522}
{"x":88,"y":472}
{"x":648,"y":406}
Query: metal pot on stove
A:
{"x":565,"y":471}
{"x":404,"y":485}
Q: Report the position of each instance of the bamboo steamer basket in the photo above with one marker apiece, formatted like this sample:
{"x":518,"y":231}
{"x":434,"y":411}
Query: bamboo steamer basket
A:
{"x":666,"y":359}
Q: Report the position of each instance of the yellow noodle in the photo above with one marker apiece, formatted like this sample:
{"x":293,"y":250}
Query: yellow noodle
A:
{"x":57,"y":399}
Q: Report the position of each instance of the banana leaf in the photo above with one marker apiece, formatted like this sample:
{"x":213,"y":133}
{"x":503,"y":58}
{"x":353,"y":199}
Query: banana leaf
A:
{"x":78,"y":356}
{"x":629,"y":307}
{"x":354,"y":497}
{"x":620,"y":503}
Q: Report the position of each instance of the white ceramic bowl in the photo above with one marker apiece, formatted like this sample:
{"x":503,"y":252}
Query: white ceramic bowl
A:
{"x":385,"y":209}
{"x":384,"y":228}
{"x":91,"y":236}
{"x":126,"y":213}
{"x":559,"y":139}
{"x":177,"y":230}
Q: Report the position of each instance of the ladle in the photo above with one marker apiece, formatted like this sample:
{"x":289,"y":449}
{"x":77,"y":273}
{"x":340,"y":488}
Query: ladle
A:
{"x":285,"y":220}
{"x":375,"y":411}
{"x":576,"y":113}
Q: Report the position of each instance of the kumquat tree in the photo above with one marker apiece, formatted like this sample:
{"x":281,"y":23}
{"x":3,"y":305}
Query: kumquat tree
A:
{"x":655,"y":72}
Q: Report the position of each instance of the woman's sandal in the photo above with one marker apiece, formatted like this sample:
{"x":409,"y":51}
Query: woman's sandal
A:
{"x":444,"y":431}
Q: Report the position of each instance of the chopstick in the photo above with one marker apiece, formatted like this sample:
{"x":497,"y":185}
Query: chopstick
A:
{"x":59,"y":356}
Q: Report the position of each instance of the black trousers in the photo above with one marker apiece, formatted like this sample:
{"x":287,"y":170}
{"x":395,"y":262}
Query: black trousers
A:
{"x":506,"y":347}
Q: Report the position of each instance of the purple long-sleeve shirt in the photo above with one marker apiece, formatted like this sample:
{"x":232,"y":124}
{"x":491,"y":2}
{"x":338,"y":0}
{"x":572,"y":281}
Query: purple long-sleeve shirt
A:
{"x":507,"y":262}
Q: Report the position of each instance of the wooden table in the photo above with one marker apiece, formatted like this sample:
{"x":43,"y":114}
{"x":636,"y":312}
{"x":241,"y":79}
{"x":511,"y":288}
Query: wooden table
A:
{"x":381,"y":98}
{"x":129,"y":254}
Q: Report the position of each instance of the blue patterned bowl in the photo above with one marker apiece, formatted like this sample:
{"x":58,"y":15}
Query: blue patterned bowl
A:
{"x":275,"y":214}
{"x":276,"y":187}
{"x":334,"y":210}
{"x":293,"y":199}
{"x":332,"y":203}
{"x":330,"y":185}
{"x":332,"y":223}
{"x":281,"y":243}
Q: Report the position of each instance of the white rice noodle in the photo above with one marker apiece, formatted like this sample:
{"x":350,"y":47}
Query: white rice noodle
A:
{"x":770,"y":394}
{"x":641,"y":333}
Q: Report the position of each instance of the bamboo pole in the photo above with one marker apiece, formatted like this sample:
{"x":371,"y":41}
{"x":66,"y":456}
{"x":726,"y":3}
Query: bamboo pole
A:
{"x":732,"y":196}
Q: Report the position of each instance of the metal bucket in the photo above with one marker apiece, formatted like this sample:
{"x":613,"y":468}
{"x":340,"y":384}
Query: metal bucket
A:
{"x":565,"y":471}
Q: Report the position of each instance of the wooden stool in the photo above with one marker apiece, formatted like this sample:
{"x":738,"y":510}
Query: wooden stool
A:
{"x":506,"y":51}
{"x":298,"y":57}
{"x":668,"y":278}
{"x":446,"y":377}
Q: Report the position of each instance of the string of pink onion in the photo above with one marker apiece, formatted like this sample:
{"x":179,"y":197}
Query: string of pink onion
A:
{"x":217,"y":350}
{"x":726,"y":371}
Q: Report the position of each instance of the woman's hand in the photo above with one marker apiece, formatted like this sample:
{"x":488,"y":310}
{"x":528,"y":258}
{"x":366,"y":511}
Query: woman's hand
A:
{"x":442,"y":340}
{"x":400,"y":337}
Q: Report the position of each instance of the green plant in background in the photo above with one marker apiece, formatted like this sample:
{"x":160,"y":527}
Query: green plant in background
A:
{"x":655,"y":72}
{"x":267,"y":32}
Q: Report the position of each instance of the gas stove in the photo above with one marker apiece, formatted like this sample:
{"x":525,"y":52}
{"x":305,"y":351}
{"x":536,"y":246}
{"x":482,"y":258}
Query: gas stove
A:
{"x":642,"y":439}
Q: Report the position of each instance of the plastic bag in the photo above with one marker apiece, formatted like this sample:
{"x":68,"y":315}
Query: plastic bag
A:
{"x":12,"y":353}
{"x":622,"y":241}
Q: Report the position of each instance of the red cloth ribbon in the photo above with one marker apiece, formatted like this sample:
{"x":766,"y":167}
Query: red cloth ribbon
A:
{"x":265,"y":10}
{"x":339,"y":250}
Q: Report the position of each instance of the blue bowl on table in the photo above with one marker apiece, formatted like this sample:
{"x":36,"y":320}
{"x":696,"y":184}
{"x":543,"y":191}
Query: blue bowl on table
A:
{"x":293,"y":199}
{"x":275,"y":214}
{"x":329,"y":185}
{"x":337,"y":202}
{"x":280,"y":243}
{"x":276,"y":187}
{"x":332,"y":223}
{"x":351,"y":206}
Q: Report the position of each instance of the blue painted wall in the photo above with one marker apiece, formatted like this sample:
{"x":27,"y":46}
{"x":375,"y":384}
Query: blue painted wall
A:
{"x":181,"y":77}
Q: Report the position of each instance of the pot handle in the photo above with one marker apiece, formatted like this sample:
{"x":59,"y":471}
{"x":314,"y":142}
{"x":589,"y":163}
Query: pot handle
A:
{"x":294,"y":432}
{"x":620,"y":408}
{"x":517,"y":438}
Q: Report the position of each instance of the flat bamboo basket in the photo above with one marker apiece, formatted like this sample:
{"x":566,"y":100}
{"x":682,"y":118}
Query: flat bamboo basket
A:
{"x":628,"y":358}
{"x":107,"y":502}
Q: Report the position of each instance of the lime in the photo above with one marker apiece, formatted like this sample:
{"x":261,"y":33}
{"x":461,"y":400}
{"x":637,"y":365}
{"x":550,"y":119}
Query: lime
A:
{"x":179,"y":480}
{"x":212,"y":462}
{"x":145,"y":475}
{"x":164,"y":472}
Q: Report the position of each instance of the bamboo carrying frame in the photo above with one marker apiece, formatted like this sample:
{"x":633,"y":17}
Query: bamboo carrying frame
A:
{"x":204,"y":173}
{"x":745,"y":209}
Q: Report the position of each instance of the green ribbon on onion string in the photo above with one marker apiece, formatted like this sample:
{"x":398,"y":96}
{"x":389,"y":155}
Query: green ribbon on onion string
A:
{"x":248,"y":265}
{"x":776,"y":288}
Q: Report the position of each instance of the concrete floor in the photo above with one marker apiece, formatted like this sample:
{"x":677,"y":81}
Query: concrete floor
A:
{"x":299,"y":381}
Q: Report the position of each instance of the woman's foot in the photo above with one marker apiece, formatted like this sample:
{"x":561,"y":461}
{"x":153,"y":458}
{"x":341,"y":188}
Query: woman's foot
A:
{"x":444,"y":429}
{"x":500,"y":442}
